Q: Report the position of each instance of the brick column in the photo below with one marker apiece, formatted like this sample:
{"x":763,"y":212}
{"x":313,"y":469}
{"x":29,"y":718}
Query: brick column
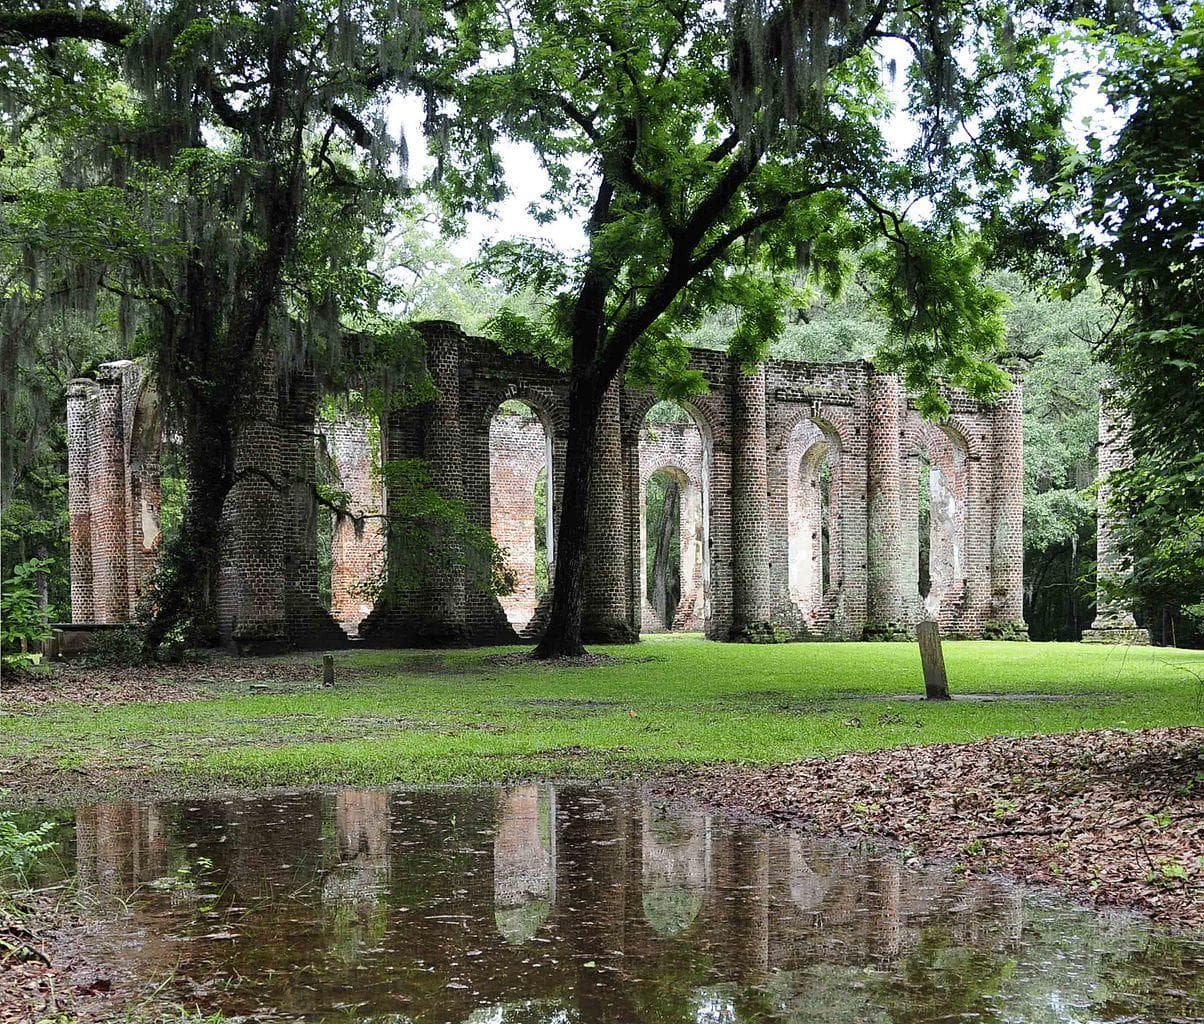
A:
{"x":605,"y":616}
{"x":886,"y":606}
{"x":106,"y":479}
{"x":81,"y":417}
{"x":1114,"y":622}
{"x":250,"y":600}
{"x":752,"y":597}
{"x":1007,"y":519}
{"x":443,"y":614}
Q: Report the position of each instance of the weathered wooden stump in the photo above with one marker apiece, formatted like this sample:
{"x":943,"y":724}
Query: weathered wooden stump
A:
{"x":328,"y":671}
{"x":936,"y":683}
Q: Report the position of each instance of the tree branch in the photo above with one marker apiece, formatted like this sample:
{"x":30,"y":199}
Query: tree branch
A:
{"x":90,"y":24}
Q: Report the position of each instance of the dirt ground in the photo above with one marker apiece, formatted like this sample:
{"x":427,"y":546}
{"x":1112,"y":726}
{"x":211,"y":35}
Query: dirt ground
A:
{"x":1110,"y":817}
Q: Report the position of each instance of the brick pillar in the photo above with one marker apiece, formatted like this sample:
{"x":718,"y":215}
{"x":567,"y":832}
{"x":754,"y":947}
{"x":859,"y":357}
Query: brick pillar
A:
{"x":81,"y":420}
{"x":443,"y":614}
{"x":1007,"y":519}
{"x":250,"y":602}
{"x":886,"y":605}
{"x":1114,"y":622}
{"x":106,"y":478}
{"x":605,"y":615}
{"x":752,"y":596}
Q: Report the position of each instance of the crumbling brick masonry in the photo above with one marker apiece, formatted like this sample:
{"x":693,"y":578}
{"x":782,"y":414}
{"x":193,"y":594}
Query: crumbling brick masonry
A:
{"x":800,"y":505}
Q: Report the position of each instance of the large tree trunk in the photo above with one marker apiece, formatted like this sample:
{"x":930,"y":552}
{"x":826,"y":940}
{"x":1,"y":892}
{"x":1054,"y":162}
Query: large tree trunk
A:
{"x":562,"y":638}
{"x":189,"y":568}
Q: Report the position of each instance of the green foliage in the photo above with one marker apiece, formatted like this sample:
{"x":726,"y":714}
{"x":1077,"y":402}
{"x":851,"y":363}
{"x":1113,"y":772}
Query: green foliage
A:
{"x":715,"y":173}
{"x":425,"y":531}
{"x":219,"y":182}
{"x":119,"y":647}
{"x":22,"y":622}
{"x":1147,"y":197}
{"x":20,"y":847}
{"x":939,"y":312}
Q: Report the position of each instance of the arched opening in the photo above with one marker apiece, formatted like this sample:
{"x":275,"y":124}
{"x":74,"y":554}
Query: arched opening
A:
{"x":942,"y":486}
{"x":813,"y":503}
{"x":662,"y":541}
{"x":520,"y":505}
{"x":674,"y":465}
{"x":924,"y":526}
{"x":350,"y":548}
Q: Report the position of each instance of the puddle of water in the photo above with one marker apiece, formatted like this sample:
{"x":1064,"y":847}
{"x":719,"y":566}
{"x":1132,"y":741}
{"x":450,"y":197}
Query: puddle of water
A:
{"x":545,"y":904}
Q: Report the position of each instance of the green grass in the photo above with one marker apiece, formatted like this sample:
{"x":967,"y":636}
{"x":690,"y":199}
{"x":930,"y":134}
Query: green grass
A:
{"x":424,"y":717}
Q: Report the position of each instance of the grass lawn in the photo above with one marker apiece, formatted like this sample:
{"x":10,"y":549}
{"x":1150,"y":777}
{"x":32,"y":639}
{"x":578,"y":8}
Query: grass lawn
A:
{"x":426,"y":717}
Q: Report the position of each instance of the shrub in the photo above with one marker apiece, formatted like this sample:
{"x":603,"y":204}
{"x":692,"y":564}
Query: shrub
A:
{"x":122,"y":646}
{"x":20,"y":848}
{"x":23,"y":625}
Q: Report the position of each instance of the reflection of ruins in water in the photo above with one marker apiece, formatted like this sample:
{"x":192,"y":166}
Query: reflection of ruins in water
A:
{"x":361,"y":822}
{"x":675,"y":857}
{"x":118,"y":845}
{"x":524,"y":860}
{"x":586,"y":904}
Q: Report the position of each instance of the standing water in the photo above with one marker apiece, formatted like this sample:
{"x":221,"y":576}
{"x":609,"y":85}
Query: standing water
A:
{"x":548,"y":904}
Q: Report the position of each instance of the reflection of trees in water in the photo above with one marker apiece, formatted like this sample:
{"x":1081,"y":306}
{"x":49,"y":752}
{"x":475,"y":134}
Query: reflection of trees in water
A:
{"x":524,"y":860}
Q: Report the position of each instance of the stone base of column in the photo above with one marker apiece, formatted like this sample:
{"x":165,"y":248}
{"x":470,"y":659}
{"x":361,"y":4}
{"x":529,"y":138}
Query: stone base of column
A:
{"x":763,"y":632}
{"x":998,"y":629}
{"x":1118,"y":635}
{"x":887,"y":632}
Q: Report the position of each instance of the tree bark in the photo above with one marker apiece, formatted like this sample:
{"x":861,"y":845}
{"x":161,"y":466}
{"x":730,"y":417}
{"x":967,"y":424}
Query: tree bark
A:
{"x":562,"y":638}
{"x":189,"y":569}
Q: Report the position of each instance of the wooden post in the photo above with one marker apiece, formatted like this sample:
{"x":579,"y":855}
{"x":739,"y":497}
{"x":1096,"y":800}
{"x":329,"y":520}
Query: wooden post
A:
{"x":328,"y":671}
{"x":936,"y":683}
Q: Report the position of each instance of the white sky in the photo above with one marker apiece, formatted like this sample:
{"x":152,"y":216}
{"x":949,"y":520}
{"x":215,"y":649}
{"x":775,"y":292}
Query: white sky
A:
{"x":511,"y":218}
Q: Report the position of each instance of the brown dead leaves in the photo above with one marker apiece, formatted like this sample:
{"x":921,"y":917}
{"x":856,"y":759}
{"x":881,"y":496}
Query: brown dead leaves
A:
{"x":1114,"y":817}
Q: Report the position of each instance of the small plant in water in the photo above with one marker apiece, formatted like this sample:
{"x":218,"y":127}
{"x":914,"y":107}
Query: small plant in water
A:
{"x":20,"y":847}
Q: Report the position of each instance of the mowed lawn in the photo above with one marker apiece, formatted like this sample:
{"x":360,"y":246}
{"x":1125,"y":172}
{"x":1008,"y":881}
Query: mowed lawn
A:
{"x":427,"y":717}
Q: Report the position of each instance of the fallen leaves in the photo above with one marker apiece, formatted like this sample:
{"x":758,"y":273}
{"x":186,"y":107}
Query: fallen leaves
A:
{"x":1115,"y":817}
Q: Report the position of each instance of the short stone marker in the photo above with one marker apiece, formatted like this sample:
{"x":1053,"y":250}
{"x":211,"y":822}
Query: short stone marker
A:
{"x":328,"y":671}
{"x":936,"y":683}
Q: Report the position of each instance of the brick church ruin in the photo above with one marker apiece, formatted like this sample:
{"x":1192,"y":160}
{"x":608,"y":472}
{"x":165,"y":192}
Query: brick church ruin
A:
{"x":812,"y":501}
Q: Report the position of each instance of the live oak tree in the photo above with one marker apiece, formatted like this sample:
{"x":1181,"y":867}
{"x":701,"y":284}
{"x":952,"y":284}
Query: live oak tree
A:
{"x":246,"y":153}
{"x":714,"y":151}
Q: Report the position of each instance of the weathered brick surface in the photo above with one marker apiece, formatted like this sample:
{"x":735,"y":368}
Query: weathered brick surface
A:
{"x":113,"y":440}
{"x":1114,"y":622}
{"x":748,"y":460}
{"x":1007,"y":511}
{"x":606,"y":615}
